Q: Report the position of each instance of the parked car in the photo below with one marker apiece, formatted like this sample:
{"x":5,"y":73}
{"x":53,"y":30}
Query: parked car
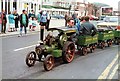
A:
{"x":58,"y":16}
{"x":110,"y":22}
{"x":102,"y":17}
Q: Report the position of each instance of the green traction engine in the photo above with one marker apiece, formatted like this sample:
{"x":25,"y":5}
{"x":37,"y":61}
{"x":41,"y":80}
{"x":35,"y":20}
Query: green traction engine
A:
{"x":56,"y":45}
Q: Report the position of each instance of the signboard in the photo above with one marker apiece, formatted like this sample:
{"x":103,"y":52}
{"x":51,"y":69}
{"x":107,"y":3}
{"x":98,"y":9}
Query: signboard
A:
{"x":107,"y":11}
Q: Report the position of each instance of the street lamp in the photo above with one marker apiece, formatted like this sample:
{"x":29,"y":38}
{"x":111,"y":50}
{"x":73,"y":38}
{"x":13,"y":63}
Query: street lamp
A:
{"x":69,"y":8}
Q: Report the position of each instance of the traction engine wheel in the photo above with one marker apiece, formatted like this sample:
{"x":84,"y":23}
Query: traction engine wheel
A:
{"x":68,"y":52}
{"x":48,"y":62}
{"x":84,"y":51}
{"x":102,"y":45}
{"x":109,"y":43}
{"x":31,"y":59}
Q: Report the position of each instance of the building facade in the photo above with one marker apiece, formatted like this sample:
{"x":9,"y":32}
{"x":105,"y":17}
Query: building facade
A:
{"x":19,"y":5}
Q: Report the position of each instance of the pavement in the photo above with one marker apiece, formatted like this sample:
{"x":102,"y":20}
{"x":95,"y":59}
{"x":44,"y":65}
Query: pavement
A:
{"x":60,"y":22}
{"x":54,"y":23}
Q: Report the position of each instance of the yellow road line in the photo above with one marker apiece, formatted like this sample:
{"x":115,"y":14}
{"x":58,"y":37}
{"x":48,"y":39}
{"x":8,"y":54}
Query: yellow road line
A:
{"x":107,"y":70}
{"x":113,"y":72}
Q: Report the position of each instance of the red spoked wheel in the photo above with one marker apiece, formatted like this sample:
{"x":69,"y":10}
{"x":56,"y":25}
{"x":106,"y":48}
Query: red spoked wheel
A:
{"x":31,"y":59}
{"x":48,"y":62}
{"x":93,"y":47}
{"x":110,"y":43}
{"x":68,"y":52}
{"x":84,"y":51}
{"x":102,"y":45}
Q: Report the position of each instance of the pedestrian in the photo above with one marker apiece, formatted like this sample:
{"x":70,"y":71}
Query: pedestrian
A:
{"x":88,"y":28}
{"x":43,"y":22}
{"x":39,"y":16}
{"x":4,"y":21}
{"x":66,"y":17}
{"x":11,"y":22}
{"x":0,"y":21}
{"x":48,"y":20}
{"x":23,"y":22}
{"x":30,"y":23}
{"x":16,"y":20}
{"x":74,"y":15}
{"x":34,"y":24}
{"x":31,"y":14}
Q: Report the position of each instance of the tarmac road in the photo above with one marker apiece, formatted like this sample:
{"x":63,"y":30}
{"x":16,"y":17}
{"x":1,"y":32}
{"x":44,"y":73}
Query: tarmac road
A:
{"x":100,"y":64}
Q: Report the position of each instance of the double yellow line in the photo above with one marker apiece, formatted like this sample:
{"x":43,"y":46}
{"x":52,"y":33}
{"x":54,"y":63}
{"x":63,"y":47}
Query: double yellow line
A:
{"x":105,"y":73}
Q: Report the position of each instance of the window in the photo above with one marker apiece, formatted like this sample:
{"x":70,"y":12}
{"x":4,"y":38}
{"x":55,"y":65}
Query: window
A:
{"x":5,"y":6}
{"x":15,"y":5}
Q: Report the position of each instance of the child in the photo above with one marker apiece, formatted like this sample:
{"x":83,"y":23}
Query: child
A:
{"x":30,"y":23}
{"x":34,"y":24}
{"x":11,"y":22}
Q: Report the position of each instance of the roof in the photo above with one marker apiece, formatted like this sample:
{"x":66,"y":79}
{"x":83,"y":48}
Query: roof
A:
{"x":63,"y":29}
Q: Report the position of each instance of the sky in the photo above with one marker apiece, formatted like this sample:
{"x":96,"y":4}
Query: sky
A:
{"x":112,"y":3}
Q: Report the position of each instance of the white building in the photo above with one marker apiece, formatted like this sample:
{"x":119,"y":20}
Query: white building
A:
{"x":19,"y":5}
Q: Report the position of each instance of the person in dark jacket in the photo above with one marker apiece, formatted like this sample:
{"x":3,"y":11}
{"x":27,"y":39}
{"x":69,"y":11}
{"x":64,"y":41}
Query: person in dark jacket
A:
{"x":23,"y":22}
{"x":32,"y":14}
{"x":16,"y":19}
{"x":4,"y":21}
{"x":88,"y":28}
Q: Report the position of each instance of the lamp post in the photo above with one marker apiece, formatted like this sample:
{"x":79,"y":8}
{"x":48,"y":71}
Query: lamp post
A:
{"x":41,"y":4}
{"x":69,"y":8}
{"x":84,"y":7}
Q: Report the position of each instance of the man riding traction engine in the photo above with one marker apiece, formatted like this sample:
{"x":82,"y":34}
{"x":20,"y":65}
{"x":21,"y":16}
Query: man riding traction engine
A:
{"x":88,"y":28}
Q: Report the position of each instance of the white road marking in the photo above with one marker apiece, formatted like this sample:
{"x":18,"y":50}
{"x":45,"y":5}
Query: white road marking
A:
{"x":24,"y":48}
{"x":107,"y":70}
{"x":113,"y":72}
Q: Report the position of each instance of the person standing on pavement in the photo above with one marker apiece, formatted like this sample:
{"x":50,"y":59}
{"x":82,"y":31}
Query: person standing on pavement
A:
{"x":0,"y":21}
{"x":39,"y":16}
{"x":30,"y":23}
{"x":34,"y":24}
{"x":48,"y":20}
{"x":11,"y":22}
{"x":43,"y":23}
{"x":32,"y":14}
{"x":88,"y":28}
{"x":16,"y":19}
{"x":4,"y":21}
{"x":23,"y":22}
